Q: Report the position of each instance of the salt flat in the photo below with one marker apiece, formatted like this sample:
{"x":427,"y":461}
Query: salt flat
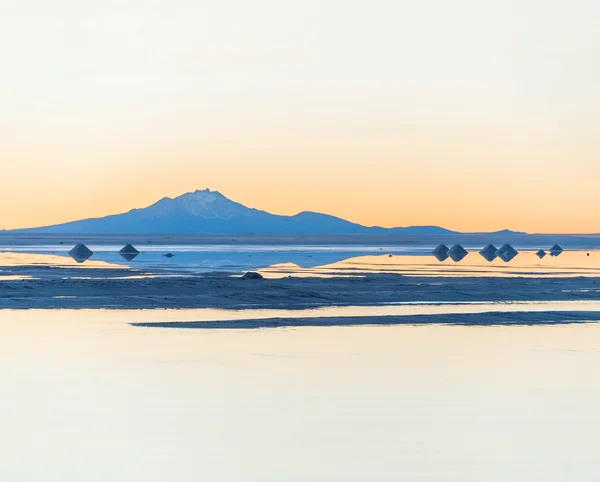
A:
{"x":343,"y":364}
{"x":86,"y":397}
{"x":208,"y":276}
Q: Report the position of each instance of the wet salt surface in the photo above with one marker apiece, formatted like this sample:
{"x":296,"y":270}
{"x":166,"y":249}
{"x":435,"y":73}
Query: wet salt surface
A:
{"x":90,"y":398}
{"x":396,"y":309}
{"x":526,"y":264}
{"x":306,"y":261}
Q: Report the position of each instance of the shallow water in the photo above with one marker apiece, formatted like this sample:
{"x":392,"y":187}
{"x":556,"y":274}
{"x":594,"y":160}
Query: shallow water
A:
{"x":86,"y":397}
{"x":526,"y":264}
{"x":308,"y":261}
{"x":381,"y":310}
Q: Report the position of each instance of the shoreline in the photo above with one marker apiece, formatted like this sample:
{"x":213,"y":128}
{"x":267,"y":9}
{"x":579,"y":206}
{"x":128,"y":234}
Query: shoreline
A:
{"x":224,"y":291}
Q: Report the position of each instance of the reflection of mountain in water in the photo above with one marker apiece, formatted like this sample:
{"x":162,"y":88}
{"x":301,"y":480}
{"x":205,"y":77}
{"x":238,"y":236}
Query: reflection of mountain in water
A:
{"x":306,"y":261}
{"x":232,"y":260}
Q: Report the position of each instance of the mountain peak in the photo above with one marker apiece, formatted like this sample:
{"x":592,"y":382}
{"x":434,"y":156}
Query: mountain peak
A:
{"x":207,"y":211}
{"x":200,"y":191}
{"x":201,"y":203}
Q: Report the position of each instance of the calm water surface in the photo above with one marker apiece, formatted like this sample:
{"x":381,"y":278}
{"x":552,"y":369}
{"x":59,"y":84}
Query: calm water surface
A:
{"x":86,"y":397}
{"x":322,"y":261}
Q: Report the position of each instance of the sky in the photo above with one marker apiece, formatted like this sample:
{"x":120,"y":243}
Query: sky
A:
{"x":475,"y":115}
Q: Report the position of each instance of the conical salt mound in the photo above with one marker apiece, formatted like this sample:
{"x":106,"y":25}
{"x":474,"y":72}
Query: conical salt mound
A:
{"x":80,"y":253}
{"x":556,"y":249}
{"x":506,"y":253}
{"x":541,"y":253}
{"x":442,"y":248}
{"x":457,"y":253}
{"x":129,"y":249}
{"x":489,"y":252}
{"x":441,"y":252}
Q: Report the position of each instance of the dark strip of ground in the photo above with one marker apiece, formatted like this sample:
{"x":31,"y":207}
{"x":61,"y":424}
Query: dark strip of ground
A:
{"x":473,"y":319}
{"x":219,"y":291}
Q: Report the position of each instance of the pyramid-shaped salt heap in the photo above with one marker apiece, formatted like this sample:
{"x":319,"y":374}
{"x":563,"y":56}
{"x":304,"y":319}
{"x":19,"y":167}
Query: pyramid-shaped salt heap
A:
{"x":129,"y":249}
{"x":555,"y":250}
{"x":457,"y":253}
{"x":489,"y":252}
{"x":541,"y":253}
{"x":80,"y":253}
{"x":128,"y":252}
{"x":441,"y":252}
{"x":507,"y":253}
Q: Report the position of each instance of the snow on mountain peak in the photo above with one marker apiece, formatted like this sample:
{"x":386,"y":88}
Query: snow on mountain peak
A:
{"x":201,"y":203}
{"x":197,"y":200}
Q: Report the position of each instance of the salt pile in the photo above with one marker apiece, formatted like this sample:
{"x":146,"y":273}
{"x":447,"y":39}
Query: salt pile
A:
{"x":441,"y":252}
{"x":507,"y":253}
{"x":457,"y":253}
{"x":80,"y":253}
{"x":128,"y":252}
{"x":555,"y":250}
{"x":489,"y":252}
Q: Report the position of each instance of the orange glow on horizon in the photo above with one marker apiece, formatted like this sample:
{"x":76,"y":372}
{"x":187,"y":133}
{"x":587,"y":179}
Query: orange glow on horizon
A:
{"x":380,"y":113}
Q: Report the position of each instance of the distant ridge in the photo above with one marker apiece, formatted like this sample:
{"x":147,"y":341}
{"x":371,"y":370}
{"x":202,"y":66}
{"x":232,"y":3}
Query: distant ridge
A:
{"x":209,"y":212}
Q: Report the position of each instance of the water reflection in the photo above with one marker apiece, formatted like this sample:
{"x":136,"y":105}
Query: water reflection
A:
{"x":457,"y":253}
{"x":81,"y":253}
{"x":129,"y":256}
{"x":565,"y":311}
{"x":422,"y":403}
{"x":441,"y":252}
{"x":489,"y":252}
{"x":507,"y":253}
{"x":14,"y":260}
{"x":441,"y":257}
{"x":279,"y":262}
{"x":231,"y":258}
{"x":128,"y":252}
{"x":526,"y":264}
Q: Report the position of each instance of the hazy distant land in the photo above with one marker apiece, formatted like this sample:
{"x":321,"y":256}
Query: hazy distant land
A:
{"x":209,"y":212}
{"x":473,"y":241}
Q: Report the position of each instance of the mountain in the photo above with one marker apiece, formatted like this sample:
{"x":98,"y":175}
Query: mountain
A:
{"x":203,"y":212}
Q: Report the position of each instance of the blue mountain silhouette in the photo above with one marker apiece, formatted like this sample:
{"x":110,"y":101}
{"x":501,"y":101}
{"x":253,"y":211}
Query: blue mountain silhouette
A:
{"x":206,"y":211}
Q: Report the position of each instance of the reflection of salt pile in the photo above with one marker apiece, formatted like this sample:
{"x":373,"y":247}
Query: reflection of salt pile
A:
{"x":507,"y":253}
{"x":541,"y":253}
{"x":128,"y":252}
{"x":80,"y":253}
{"x":555,"y":250}
{"x":441,"y":252}
{"x":489,"y":252}
{"x":457,"y":253}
